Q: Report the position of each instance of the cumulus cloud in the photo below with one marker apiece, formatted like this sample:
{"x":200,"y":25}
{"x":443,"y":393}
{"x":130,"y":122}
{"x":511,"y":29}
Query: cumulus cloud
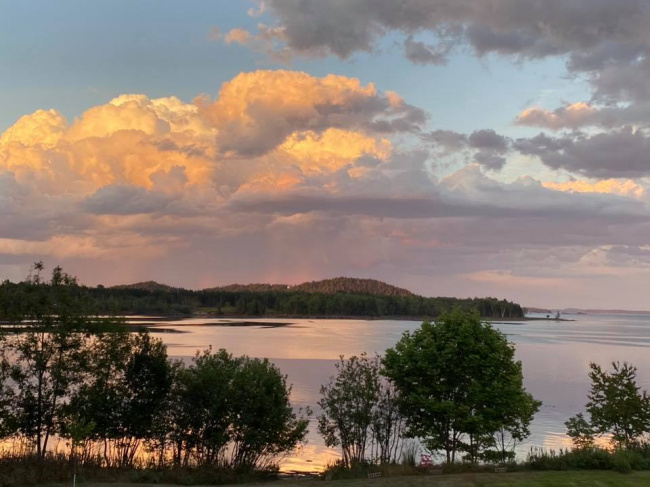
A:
{"x":135,"y":165}
{"x":41,"y":128}
{"x":307,"y":177}
{"x":255,"y":112}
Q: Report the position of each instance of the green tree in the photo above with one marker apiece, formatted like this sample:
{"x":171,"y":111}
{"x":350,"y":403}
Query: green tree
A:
{"x":201,"y":408}
{"x":359,"y":412}
{"x":515,"y":422}
{"x":264,"y":426}
{"x":347,"y":403}
{"x":232,"y":412}
{"x":7,"y":402}
{"x":617,"y":405}
{"x":123,"y":396}
{"x":387,"y":424}
{"x":46,"y":360}
{"x":580,"y":431}
{"x":459,"y":384}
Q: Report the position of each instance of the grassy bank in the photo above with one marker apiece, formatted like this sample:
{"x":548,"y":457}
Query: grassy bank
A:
{"x":519,"y":479}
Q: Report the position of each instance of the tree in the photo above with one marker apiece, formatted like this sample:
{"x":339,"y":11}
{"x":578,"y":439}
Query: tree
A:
{"x":265,"y":428}
{"x":123,"y":396}
{"x":7,"y":402}
{"x":226,"y":411}
{"x":580,"y":431}
{"x":617,"y":405}
{"x":514,"y":429}
{"x":201,"y":408}
{"x":387,"y":424}
{"x":359,"y":412}
{"x":46,"y":360}
{"x":347,"y":403}
{"x":459,"y":384}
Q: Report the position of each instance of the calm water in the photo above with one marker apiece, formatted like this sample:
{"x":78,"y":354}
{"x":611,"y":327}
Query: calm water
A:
{"x":555,"y":357}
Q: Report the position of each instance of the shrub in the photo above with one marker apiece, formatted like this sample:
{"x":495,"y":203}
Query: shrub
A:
{"x":621,"y":461}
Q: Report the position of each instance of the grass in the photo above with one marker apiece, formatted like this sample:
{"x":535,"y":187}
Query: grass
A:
{"x":520,"y":479}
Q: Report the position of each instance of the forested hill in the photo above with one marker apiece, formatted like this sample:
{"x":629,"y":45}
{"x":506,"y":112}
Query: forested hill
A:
{"x":146,"y":286}
{"x":327,"y":286}
{"x":352,"y":286}
{"x":327,"y":298}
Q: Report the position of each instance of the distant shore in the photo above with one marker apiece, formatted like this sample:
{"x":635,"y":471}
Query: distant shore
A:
{"x":163,"y":318}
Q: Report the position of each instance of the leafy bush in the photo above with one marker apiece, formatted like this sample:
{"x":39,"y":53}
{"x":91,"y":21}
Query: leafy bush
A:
{"x":621,"y":460}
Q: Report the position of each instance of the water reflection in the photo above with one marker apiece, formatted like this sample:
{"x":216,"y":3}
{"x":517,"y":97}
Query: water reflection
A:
{"x":555,"y":358}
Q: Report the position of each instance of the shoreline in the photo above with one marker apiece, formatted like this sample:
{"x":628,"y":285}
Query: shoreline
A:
{"x":163,"y":318}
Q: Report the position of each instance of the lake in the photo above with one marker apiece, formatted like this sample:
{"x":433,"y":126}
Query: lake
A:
{"x":555,"y":357}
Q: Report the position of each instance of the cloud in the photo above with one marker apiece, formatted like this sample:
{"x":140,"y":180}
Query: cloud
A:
{"x":466,"y":193}
{"x":488,"y":140}
{"x":255,"y":112}
{"x":421,"y":53}
{"x":42,"y":128}
{"x":602,"y":41}
{"x":309,"y":177}
{"x":239,"y":36}
{"x":580,"y":115}
{"x":490,"y":161}
{"x":614,"y":154}
{"x":122,"y":199}
{"x":520,"y":27}
{"x":448,"y":139}
{"x":484,"y":147}
{"x":626,"y":187}
{"x":570,"y":116}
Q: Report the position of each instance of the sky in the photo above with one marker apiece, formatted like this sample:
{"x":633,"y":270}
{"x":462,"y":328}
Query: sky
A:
{"x":455,"y":148}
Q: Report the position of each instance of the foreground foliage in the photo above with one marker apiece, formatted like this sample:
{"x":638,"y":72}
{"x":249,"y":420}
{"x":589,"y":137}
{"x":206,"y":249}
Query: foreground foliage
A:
{"x":120,"y":404}
{"x":617,"y":408}
{"x":360,"y":413}
{"x":460,"y":388}
{"x":519,"y":479}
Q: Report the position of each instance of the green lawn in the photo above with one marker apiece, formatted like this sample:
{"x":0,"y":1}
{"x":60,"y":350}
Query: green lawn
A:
{"x":523,"y":479}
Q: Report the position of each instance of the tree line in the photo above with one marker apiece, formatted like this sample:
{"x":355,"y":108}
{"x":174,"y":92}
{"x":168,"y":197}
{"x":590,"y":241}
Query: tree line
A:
{"x":217,"y":302}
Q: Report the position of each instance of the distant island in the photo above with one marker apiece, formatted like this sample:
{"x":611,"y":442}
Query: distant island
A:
{"x":587,"y":311}
{"x":338,"y":297}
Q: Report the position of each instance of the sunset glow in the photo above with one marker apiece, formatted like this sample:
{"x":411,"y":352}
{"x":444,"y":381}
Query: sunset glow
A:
{"x":321,"y":142}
